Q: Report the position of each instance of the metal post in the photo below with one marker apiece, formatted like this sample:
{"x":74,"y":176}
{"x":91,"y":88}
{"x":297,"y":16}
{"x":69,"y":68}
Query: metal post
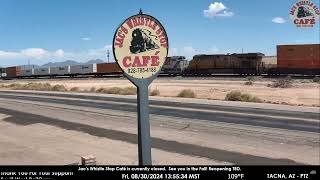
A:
{"x":144,"y":145}
{"x":108,"y":54}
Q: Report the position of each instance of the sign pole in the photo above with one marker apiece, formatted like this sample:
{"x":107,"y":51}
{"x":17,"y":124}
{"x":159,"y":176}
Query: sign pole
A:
{"x":144,"y":140}
{"x":144,"y":145}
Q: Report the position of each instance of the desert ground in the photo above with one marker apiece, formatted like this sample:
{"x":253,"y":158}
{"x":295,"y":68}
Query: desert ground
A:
{"x":302,"y":93}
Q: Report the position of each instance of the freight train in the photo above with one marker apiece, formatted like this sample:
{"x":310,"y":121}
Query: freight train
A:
{"x":290,"y":59}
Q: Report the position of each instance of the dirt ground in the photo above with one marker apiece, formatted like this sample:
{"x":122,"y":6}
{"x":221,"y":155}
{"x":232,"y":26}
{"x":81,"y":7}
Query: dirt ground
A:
{"x":303,"y":92}
{"x":44,"y":144}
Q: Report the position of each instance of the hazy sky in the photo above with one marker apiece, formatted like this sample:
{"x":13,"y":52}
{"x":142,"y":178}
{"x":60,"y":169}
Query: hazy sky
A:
{"x":55,"y":30}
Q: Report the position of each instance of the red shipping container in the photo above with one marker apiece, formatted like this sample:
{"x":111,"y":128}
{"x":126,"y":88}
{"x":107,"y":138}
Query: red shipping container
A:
{"x":13,"y":71}
{"x":108,"y":68}
{"x":299,"y":56}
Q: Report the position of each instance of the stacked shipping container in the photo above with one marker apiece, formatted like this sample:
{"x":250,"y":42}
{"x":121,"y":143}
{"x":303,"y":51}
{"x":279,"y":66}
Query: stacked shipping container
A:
{"x":108,"y":68}
{"x":13,"y":71}
{"x":298,"y":56}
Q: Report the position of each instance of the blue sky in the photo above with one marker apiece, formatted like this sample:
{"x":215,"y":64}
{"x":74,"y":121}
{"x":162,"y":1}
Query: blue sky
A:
{"x":55,"y":30}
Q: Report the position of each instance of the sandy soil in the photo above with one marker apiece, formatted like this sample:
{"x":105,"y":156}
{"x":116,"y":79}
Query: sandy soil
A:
{"x":303,"y":92}
{"x":44,"y":144}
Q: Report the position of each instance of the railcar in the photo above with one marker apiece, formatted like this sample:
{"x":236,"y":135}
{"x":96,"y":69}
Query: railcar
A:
{"x":83,"y":69}
{"x":41,"y":71}
{"x":26,"y":73}
{"x":62,"y":70}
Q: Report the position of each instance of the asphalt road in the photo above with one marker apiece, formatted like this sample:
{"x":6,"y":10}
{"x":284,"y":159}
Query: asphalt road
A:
{"x":272,"y":118}
{"x":293,"y":123}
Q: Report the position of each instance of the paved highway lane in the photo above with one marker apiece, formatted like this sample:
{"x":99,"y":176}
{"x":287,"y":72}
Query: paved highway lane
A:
{"x":289,"y":119}
{"x":227,"y":133}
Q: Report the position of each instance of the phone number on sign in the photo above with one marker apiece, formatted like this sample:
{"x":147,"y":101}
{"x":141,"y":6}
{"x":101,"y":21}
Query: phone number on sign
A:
{"x":160,"y":176}
{"x":141,"y":70}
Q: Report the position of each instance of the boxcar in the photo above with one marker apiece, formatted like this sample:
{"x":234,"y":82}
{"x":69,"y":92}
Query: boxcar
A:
{"x":108,"y":68}
{"x":42,"y":71}
{"x":13,"y":72}
{"x":63,"y":70}
{"x":83,"y":69}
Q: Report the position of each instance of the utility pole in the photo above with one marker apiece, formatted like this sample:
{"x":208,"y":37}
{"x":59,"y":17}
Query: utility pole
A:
{"x":108,"y":54}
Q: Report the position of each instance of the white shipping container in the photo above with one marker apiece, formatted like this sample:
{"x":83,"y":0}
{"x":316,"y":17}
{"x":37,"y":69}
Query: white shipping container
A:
{"x":27,"y":72}
{"x":42,"y":71}
{"x":60,"y":70}
{"x":83,"y":69}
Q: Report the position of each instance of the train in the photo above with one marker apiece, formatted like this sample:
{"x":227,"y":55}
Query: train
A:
{"x":290,"y":59}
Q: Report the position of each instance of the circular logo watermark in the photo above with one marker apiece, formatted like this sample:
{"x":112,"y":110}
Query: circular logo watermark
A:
{"x":304,"y":13}
{"x":140,"y":46}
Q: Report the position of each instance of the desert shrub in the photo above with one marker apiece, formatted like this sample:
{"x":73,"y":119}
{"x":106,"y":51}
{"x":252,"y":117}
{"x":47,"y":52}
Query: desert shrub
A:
{"x":244,"y":97}
{"x":316,"y":79}
{"x":114,"y":90}
{"x":93,"y":89}
{"x":250,"y":78}
{"x":75,"y":89}
{"x":248,"y":83}
{"x":58,"y":87}
{"x":15,"y":86}
{"x":155,"y":92}
{"x":32,"y":86}
{"x":118,"y":90}
{"x":187,"y":93}
{"x":101,"y":90}
{"x":128,"y":91}
{"x":283,"y":83}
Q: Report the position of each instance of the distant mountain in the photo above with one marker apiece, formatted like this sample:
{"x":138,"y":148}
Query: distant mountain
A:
{"x":58,"y":64}
{"x":97,"y":61}
{"x":71,"y":63}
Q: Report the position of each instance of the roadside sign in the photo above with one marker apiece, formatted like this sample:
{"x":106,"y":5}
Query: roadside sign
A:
{"x":140,"y":47}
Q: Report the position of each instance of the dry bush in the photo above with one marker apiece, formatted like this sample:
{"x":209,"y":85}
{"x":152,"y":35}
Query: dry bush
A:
{"x":114,"y":90}
{"x":187,"y":93}
{"x":248,"y":83}
{"x":32,"y":86}
{"x":59,"y":87}
{"x":118,"y":90}
{"x":101,"y":90}
{"x":316,"y":79}
{"x":244,"y":97}
{"x":251,"y":78}
{"x":283,"y":83}
{"x":155,"y":92}
{"x":75,"y":89}
{"x":128,"y":91}
{"x":93,"y":89}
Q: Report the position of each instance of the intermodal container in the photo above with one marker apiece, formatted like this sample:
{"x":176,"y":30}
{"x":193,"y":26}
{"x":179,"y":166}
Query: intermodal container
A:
{"x":42,"y":71}
{"x":305,"y":56}
{"x":27,"y":72}
{"x":14,"y":71}
{"x":83,"y":69}
{"x":106,"y":68}
{"x":63,"y":70}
